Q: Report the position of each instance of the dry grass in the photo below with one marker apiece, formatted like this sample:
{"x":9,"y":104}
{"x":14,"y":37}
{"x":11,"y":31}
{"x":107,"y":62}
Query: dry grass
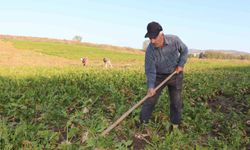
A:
{"x":104,"y":46}
{"x":10,"y":56}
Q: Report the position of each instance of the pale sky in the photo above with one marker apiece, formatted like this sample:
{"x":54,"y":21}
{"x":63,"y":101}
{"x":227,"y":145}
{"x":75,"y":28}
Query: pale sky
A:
{"x":212,"y":24}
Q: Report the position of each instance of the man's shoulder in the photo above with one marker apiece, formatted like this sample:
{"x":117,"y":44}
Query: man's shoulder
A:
{"x":170,"y":38}
{"x":170,"y":35}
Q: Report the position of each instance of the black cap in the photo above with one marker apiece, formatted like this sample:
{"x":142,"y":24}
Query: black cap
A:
{"x":153,"y":28}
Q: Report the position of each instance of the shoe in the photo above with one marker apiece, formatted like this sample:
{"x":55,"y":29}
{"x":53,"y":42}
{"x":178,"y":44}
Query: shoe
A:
{"x":138,"y":124}
{"x":173,"y":128}
{"x":143,"y":134}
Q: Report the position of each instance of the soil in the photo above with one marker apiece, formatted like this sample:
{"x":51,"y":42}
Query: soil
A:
{"x":227,"y":104}
{"x":138,"y":144}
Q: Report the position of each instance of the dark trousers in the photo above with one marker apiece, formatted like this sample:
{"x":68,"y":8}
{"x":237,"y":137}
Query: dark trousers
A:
{"x":174,"y":89}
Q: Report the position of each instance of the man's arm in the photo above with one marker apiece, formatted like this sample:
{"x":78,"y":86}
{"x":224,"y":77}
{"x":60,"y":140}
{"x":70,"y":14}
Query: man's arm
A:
{"x":150,"y":71}
{"x":183,"y":50}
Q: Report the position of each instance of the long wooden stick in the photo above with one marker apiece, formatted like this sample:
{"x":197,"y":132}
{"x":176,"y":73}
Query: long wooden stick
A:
{"x":134,"y":107}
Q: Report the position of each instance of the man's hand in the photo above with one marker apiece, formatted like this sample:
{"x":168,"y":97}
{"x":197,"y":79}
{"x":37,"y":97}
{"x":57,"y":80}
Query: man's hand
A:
{"x":179,"y":69}
{"x":151,"y":92}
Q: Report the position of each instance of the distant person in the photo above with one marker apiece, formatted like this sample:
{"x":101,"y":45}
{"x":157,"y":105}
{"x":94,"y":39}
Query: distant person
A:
{"x":164,"y":55}
{"x":107,"y":62}
{"x":84,"y":61}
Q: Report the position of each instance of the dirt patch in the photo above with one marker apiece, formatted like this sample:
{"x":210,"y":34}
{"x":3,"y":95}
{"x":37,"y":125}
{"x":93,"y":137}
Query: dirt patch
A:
{"x":10,"y":56}
{"x":226,"y":104}
{"x":139,"y":140}
{"x":138,"y":144}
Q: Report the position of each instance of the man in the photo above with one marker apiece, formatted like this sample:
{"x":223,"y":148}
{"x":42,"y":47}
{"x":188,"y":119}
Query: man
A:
{"x":164,"y":55}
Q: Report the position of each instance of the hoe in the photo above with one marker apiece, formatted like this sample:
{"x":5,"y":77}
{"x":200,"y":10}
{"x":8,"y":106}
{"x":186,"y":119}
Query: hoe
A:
{"x":105,"y":132}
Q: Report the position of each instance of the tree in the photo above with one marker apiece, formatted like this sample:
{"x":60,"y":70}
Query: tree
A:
{"x":77,"y":38}
{"x":201,"y":55}
{"x":145,"y":44}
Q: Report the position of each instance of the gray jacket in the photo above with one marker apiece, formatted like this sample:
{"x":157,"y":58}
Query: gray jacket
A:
{"x":164,"y":60}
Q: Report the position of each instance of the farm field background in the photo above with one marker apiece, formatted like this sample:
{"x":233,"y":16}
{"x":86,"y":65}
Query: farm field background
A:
{"x":49,"y":101}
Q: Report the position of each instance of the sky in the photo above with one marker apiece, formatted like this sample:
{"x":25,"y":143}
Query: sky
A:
{"x":211,"y":24}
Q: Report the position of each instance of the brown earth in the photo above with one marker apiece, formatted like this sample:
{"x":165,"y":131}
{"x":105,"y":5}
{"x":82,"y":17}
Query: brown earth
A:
{"x":226,"y":104}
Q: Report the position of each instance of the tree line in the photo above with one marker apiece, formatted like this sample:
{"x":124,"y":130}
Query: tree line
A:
{"x":221,"y":55}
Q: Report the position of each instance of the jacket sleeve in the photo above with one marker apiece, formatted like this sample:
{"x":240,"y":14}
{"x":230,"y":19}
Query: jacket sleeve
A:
{"x":183,"y":50}
{"x":150,"y":68}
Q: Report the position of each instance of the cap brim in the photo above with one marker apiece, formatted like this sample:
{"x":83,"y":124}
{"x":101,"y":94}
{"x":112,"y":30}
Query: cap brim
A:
{"x":151,"y":35}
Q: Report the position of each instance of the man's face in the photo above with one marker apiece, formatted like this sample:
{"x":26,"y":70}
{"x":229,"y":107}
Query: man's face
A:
{"x":157,"y":41}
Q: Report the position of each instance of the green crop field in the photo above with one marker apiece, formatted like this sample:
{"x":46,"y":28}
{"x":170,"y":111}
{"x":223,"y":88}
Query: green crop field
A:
{"x":74,"y":51}
{"x":68,"y":107}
